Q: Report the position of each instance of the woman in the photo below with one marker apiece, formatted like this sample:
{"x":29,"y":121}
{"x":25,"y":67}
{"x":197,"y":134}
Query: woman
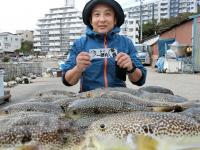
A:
{"x":102,"y":57}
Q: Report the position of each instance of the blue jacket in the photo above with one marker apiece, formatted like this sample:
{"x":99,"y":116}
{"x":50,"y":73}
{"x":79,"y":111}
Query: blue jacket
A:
{"x":101,"y":72}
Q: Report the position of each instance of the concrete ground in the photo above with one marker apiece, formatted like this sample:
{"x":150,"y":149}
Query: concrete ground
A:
{"x":186,"y":85}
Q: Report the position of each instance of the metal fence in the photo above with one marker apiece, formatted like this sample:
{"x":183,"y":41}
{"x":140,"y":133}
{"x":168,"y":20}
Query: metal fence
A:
{"x":21,"y":69}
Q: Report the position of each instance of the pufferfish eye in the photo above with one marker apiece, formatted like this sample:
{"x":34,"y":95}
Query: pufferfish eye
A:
{"x":74,"y":112}
{"x":102,"y":127}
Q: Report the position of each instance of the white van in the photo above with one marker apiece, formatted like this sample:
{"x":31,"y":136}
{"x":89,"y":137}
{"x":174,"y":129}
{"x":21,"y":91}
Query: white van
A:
{"x":143,"y":54}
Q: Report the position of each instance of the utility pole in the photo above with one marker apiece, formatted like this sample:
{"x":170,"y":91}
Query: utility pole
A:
{"x":141,"y":21}
{"x":153,"y":19}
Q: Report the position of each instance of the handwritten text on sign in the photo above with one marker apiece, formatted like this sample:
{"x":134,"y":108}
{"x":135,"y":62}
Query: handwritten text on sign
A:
{"x":103,"y":53}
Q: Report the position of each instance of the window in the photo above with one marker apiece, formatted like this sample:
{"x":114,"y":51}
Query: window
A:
{"x":131,"y":22}
{"x":131,"y":30}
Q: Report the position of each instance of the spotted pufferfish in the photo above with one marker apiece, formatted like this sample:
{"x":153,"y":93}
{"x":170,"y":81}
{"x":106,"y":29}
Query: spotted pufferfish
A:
{"x":144,"y":131}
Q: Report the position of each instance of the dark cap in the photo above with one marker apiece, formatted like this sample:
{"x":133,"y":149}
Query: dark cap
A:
{"x":119,"y":13}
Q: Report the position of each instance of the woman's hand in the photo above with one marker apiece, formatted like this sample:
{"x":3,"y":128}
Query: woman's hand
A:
{"x":124,"y":61}
{"x":82,"y":61}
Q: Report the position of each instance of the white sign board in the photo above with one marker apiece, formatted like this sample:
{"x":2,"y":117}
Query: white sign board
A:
{"x":103,"y":53}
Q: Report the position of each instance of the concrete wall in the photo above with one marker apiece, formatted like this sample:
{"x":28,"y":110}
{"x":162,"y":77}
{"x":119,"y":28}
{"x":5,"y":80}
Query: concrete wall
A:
{"x":21,"y":69}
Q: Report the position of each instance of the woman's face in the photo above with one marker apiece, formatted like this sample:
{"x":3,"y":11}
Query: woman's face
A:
{"x":102,"y":18}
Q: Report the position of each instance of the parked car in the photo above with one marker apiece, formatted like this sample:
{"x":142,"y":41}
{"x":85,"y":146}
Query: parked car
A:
{"x":143,"y":54}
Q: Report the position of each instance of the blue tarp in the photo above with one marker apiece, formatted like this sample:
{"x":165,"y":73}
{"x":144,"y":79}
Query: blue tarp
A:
{"x":160,"y":64}
{"x":163,"y":45}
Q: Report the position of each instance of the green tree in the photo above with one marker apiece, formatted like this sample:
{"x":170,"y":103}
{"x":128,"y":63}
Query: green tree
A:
{"x":152,"y":28}
{"x":168,"y":23}
{"x":17,"y":51}
{"x":149,"y":29}
{"x":26,"y":47}
{"x":6,"y":59}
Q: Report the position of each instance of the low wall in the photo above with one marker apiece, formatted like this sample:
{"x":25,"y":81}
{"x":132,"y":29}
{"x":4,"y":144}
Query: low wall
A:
{"x":21,"y":69}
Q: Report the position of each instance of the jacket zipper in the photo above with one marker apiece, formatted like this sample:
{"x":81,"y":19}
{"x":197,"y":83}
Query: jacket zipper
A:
{"x":105,"y":64}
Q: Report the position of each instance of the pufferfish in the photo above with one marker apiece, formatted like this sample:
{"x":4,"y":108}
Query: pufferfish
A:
{"x":33,"y":131}
{"x":144,"y":131}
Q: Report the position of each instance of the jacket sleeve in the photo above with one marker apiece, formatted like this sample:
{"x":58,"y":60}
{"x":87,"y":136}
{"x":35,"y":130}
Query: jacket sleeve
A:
{"x":138,"y":64}
{"x":70,"y":62}
{"x":142,"y":79}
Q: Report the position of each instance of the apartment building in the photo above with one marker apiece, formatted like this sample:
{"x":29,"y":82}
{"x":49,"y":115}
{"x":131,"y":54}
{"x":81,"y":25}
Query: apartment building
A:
{"x":58,"y":29}
{"x":9,"y":42}
{"x":162,"y":9}
{"x":130,"y":28}
{"x":149,"y":12}
{"x":198,"y":2}
{"x":155,"y":11}
{"x":182,"y":6}
{"x":26,"y":35}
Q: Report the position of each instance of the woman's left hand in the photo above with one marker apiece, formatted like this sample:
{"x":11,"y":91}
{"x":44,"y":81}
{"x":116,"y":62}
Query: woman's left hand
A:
{"x":124,"y":61}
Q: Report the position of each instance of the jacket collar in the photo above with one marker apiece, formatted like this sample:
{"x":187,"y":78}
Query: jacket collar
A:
{"x":90,"y":32}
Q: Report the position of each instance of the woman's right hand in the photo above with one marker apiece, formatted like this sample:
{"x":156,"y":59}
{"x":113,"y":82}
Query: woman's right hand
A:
{"x":82,"y":61}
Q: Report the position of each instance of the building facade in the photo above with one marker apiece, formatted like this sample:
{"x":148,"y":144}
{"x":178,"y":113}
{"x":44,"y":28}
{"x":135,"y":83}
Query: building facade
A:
{"x":58,"y":29}
{"x":9,"y":42}
{"x":162,"y":9}
{"x":25,"y":35}
{"x":198,"y":2}
{"x":130,"y":28}
{"x":149,"y":11}
{"x":184,"y":6}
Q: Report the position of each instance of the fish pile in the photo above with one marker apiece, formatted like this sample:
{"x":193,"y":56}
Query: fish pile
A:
{"x":148,"y":118}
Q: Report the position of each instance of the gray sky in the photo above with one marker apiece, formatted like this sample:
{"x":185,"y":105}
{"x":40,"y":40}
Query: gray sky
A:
{"x":23,"y":14}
